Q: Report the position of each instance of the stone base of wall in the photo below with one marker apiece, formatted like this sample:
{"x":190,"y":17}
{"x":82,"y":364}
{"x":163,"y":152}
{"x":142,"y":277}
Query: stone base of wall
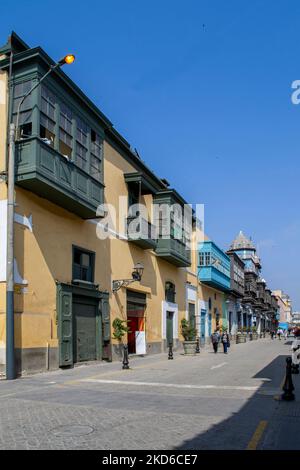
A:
{"x":33,"y":360}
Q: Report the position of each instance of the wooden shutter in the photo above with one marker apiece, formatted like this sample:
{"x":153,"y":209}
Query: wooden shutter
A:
{"x":65,"y":325}
{"x":105,"y":317}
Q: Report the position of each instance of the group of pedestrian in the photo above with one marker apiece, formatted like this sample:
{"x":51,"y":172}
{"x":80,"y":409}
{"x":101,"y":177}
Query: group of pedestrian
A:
{"x":217,"y":338}
{"x":279,"y":333}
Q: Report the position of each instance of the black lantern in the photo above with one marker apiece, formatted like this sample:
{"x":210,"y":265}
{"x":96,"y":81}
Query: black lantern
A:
{"x":137,"y":272}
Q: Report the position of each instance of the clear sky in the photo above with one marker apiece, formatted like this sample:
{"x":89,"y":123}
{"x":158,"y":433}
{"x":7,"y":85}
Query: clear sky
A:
{"x":203,"y":90}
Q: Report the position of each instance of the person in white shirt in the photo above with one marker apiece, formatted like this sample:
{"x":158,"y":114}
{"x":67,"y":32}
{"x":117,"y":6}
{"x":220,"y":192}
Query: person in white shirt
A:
{"x":296,"y":352}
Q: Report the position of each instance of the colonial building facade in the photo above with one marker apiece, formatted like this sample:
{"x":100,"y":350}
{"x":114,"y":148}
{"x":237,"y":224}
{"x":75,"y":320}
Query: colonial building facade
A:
{"x":69,"y":161}
{"x":258,"y":308}
{"x":99,"y":238}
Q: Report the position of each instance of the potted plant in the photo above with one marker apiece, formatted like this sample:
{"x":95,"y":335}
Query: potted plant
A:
{"x":241,"y":335}
{"x":254,"y":332}
{"x":120,"y":328}
{"x":189,"y":334}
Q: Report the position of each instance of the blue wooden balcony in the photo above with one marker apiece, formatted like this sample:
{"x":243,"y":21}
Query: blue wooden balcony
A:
{"x":213,"y":266}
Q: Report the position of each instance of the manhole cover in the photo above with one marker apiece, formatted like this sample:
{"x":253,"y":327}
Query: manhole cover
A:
{"x":72,"y":430}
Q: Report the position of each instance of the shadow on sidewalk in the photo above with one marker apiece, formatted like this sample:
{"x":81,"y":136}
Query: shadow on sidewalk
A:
{"x":235,"y":433}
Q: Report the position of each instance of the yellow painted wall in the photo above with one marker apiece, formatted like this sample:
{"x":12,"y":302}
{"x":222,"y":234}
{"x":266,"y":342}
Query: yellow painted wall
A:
{"x":45,"y":255}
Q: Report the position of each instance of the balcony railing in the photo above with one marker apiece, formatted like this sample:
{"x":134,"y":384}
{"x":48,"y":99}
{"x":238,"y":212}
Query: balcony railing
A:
{"x":44,"y":171}
{"x":141,"y":232}
{"x":174,"y":251}
{"x":214,"y":278}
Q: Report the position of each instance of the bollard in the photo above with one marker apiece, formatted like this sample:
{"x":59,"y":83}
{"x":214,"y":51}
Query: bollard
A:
{"x":288,"y":386}
{"x":125,"y":357}
{"x":170,"y":355}
{"x":197,"y":346}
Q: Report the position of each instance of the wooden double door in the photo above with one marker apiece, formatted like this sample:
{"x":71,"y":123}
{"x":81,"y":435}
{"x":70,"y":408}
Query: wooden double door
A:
{"x":83,"y":324}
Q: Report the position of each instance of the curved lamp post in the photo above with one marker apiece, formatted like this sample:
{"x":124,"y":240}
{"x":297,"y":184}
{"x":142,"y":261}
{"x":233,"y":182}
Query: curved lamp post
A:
{"x":137,"y":274}
{"x":13,"y":136}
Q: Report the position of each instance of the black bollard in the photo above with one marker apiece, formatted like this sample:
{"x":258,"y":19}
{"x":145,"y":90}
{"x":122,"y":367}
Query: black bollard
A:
{"x":170,"y":355}
{"x":197,"y":346}
{"x":125,"y":357}
{"x":288,"y":386}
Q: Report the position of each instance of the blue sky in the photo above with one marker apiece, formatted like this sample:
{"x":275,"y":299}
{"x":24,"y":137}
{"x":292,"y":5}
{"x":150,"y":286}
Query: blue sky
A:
{"x":203,"y":90}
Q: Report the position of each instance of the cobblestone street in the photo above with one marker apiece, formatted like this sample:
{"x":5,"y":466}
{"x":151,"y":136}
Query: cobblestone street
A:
{"x":204,"y":402}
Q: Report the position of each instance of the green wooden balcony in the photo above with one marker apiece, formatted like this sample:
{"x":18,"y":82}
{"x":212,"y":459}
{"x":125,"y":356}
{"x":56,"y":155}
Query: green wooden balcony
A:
{"x":45,"y":172}
{"x":141,"y":232}
{"x":174,"y":251}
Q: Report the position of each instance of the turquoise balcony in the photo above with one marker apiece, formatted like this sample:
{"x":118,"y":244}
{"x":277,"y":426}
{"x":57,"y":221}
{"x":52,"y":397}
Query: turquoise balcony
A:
{"x":213,"y":266}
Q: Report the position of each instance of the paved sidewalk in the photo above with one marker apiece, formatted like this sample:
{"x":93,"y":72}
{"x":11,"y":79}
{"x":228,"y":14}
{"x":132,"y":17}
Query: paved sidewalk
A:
{"x":203,"y":402}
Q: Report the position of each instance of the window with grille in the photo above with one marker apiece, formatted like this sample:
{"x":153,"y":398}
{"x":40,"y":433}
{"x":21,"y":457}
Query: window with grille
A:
{"x":207,"y":259}
{"x":201,"y":259}
{"x":170,"y":292}
{"x":83,"y":264}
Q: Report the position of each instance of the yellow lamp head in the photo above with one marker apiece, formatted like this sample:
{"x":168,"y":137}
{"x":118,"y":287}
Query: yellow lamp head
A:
{"x":69,"y":59}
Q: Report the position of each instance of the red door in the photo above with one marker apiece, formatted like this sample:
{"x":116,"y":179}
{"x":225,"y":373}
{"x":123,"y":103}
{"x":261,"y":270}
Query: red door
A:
{"x":136,"y":322}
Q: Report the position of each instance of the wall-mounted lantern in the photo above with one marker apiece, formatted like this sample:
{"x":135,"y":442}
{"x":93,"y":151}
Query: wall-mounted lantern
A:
{"x":137,"y":274}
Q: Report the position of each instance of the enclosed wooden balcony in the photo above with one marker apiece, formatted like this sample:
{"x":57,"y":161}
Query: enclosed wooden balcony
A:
{"x":45,"y":172}
{"x":141,"y":232}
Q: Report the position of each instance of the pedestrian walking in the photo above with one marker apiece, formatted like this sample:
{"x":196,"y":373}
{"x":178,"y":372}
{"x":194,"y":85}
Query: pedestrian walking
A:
{"x":279,"y":333}
{"x":215,"y":338}
{"x":272,"y":334}
{"x":225,"y":341}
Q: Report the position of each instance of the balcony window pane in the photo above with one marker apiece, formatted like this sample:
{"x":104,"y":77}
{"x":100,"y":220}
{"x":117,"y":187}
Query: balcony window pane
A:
{"x":47,"y":127}
{"x":20,"y":90}
{"x":96,"y":155}
{"x":48,"y":103}
{"x":81,"y":156}
{"x":82,"y":132}
{"x":65,"y":119}
{"x":95,"y":167}
{"x":65,"y":143}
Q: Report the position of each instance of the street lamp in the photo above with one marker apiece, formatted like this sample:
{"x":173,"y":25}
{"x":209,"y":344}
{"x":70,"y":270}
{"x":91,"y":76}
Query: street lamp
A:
{"x":137,"y":274}
{"x":13,"y":136}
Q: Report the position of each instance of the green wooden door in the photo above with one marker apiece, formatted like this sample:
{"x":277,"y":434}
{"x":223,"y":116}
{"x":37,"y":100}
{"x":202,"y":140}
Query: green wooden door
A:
{"x":84,"y":335}
{"x":65,"y":326}
{"x":104,"y":350}
{"x":169,"y":327}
